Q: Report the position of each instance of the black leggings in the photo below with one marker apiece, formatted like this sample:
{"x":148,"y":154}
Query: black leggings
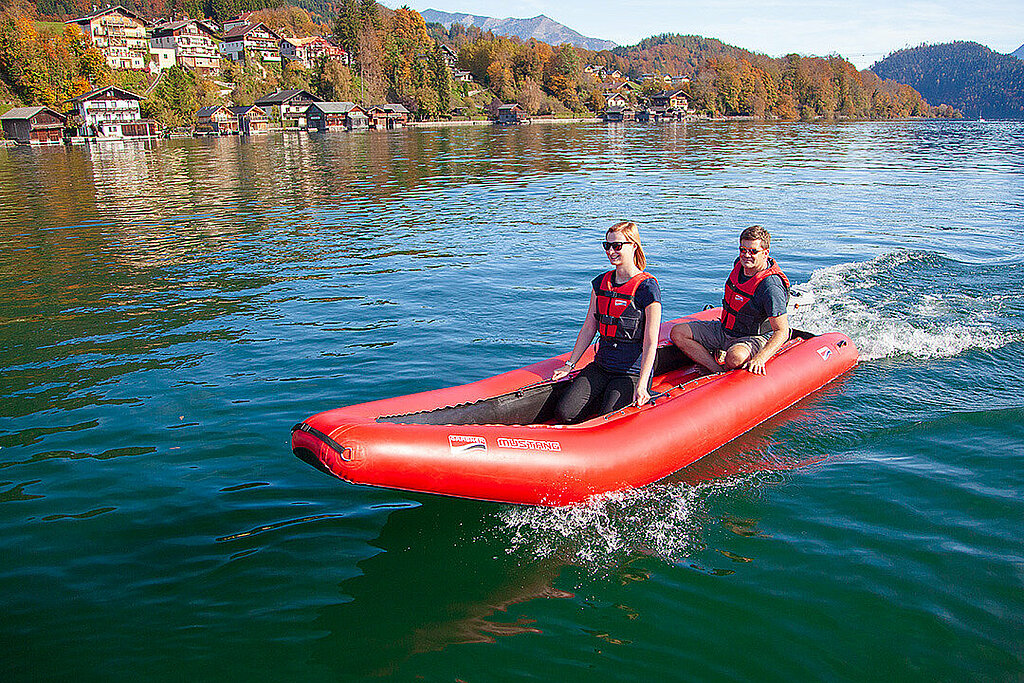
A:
{"x":595,"y":391}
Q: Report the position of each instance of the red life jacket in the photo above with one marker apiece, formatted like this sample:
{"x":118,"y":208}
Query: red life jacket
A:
{"x":617,"y":314}
{"x":737,"y":321}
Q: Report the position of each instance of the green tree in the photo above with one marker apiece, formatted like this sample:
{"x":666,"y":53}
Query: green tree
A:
{"x":348,"y":24}
{"x":175,"y":98}
{"x":333,"y":81}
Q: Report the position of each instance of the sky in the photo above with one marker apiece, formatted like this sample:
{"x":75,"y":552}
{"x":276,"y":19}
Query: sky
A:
{"x":862,"y":32}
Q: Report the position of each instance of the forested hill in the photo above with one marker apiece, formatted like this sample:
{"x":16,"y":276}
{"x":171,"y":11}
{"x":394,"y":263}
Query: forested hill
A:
{"x":675,"y":54}
{"x":968,"y":76}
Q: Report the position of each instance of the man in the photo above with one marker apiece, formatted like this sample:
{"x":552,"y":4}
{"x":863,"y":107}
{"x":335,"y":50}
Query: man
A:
{"x":753,"y":325}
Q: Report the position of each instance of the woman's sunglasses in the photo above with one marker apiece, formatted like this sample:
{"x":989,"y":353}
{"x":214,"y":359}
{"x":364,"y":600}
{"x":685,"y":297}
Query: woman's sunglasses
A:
{"x":617,"y":246}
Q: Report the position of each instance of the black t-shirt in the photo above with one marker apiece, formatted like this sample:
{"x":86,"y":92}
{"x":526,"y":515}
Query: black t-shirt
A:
{"x":624,"y":356}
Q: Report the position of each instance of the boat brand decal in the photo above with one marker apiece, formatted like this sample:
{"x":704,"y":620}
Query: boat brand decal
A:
{"x":529,"y":444}
{"x":461,"y":445}
{"x":825,"y":352}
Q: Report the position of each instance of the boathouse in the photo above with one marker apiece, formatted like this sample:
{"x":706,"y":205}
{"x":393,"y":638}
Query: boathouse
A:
{"x":251,"y":119}
{"x":216,"y":120}
{"x":325,"y":116}
{"x":388,"y":116}
{"x":509,"y":114}
{"x":33,"y":125}
{"x":288,"y":106}
{"x":617,"y":113}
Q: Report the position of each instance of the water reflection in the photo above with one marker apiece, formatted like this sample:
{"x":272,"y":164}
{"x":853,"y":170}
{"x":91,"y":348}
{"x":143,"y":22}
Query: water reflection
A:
{"x":437,"y":582}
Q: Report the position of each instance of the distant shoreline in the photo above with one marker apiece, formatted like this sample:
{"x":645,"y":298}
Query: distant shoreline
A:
{"x":488,"y":122}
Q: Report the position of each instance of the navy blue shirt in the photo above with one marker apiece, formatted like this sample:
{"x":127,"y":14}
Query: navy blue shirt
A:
{"x":623,"y":356}
{"x":769,"y":301}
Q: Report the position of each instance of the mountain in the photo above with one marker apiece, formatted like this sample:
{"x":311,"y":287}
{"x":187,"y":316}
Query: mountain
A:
{"x":1019,"y":52}
{"x":968,"y":76}
{"x":540,"y":27}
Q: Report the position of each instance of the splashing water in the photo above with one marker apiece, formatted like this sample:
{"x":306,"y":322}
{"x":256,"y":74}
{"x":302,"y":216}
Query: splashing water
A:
{"x":665,"y":520}
{"x":910,"y":303}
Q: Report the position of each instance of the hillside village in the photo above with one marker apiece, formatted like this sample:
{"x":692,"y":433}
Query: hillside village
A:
{"x":127,"y":42}
{"x":186,"y":76}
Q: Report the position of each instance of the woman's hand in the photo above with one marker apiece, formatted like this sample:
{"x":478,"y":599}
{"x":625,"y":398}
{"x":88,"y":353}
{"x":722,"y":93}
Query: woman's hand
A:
{"x":641,"y":395}
{"x":561,"y":372}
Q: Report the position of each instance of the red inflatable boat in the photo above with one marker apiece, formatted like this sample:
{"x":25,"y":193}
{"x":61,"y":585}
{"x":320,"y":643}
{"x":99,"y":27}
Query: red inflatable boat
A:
{"x":493,"y":440}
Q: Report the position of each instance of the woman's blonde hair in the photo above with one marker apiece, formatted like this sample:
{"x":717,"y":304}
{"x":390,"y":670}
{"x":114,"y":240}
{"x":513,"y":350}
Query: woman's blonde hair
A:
{"x":632,"y":233}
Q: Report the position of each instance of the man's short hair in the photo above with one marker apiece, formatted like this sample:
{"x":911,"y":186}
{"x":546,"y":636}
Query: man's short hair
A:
{"x":756,"y":232}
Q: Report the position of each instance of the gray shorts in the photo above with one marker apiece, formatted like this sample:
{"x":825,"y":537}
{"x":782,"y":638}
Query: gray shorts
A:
{"x":711,"y":335}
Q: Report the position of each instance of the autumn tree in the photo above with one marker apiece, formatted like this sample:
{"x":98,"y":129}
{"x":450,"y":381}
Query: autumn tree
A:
{"x":288,"y":20}
{"x":333,"y":81}
{"x":561,"y":76}
{"x":46,"y":68}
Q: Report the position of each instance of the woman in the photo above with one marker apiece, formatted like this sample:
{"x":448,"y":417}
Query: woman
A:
{"x":625,"y":310}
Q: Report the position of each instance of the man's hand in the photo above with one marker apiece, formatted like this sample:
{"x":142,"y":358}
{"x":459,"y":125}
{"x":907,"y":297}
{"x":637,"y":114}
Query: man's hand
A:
{"x":755,"y":365}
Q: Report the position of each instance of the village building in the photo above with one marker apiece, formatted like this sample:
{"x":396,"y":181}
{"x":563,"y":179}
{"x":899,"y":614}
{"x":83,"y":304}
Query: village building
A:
{"x":33,"y":125}
{"x":388,"y":116}
{"x":603,"y":73}
{"x":378,"y":117}
{"x":669,"y":104}
{"x":451,"y":60}
{"x":120,"y":36}
{"x":614,"y":99}
{"x":111,"y":112}
{"x":325,"y":116}
{"x":308,"y":51}
{"x":191,"y":41}
{"x":216,"y":120}
{"x":656,"y":77}
{"x":396,"y":116}
{"x":617,"y":113}
{"x":161,"y":58}
{"x":255,"y":39}
{"x":509,"y":114}
{"x":288,"y":106}
{"x":251,"y":119}
{"x":624,"y":87}
{"x":241,"y":20}
{"x":450,"y":57}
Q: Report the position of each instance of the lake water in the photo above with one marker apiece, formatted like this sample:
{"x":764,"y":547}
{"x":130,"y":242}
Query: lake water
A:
{"x":168,"y":311}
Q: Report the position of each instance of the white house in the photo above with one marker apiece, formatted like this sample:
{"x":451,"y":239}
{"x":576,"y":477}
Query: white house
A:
{"x":255,"y":38}
{"x":111,"y":112}
{"x":192,"y":43}
{"x":119,"y":34}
